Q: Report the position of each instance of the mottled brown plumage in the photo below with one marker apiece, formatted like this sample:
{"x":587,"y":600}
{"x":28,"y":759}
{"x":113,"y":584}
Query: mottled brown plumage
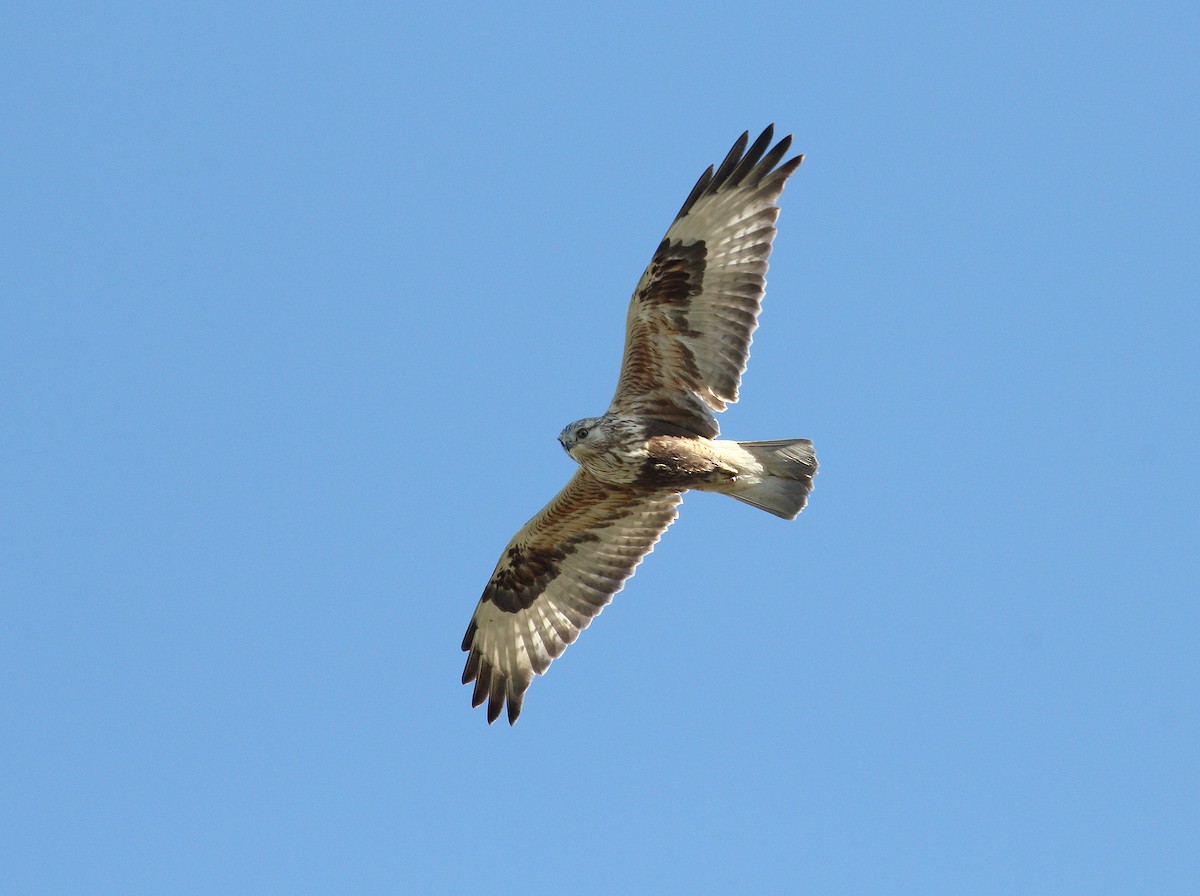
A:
{"x":688,"y":333}
{"x":682,"y":461}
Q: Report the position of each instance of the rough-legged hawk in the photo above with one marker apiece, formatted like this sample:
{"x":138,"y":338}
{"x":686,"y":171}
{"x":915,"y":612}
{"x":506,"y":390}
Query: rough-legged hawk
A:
{"x":687,"y":340}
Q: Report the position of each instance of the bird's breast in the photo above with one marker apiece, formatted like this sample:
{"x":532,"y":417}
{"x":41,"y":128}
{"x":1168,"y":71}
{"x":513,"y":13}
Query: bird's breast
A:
{"x":639,"y":453}
{"x":614,"y":464}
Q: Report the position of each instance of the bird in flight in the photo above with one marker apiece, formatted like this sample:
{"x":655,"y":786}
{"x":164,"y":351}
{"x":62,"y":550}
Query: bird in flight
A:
{"x":687,"y":340}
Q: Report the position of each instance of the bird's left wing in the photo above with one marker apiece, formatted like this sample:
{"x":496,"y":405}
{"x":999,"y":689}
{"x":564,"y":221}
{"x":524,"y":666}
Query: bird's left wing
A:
{"x":690,"y":320}
{"x":554,"y":577}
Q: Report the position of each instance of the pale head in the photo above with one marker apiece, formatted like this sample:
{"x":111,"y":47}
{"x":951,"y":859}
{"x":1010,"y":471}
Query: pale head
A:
{"x":575,"y":436}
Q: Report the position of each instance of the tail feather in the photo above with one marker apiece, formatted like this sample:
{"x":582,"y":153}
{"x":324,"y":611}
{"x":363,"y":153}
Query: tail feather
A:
{"x":780,"y":478}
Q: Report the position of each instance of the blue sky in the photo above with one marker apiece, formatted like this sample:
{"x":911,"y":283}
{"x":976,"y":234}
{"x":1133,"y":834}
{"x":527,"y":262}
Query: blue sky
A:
{"x":297,"y":297}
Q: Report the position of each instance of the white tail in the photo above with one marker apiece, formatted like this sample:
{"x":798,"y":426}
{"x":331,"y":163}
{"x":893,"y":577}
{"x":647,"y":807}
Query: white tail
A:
{"x":775,"y":476}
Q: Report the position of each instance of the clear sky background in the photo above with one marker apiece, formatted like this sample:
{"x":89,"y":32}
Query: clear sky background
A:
{"x":296,"y":298}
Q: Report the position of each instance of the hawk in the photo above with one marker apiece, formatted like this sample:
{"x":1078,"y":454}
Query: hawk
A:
{"x":687,"y":340}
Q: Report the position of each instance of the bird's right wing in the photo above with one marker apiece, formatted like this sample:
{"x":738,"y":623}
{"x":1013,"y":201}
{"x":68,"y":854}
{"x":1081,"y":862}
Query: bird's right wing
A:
{"x":554,"y":577}
{"x":693,"y":312}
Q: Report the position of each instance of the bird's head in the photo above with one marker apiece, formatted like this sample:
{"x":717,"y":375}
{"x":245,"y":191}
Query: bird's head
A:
{"x":578,"y":437}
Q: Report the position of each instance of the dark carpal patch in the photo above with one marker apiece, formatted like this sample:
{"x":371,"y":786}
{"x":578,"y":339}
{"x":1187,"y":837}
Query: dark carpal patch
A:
{"x":658,"y":354}
{"x":527,"y":571}
{"x":676,"y":273}
{"x":529,"y":568}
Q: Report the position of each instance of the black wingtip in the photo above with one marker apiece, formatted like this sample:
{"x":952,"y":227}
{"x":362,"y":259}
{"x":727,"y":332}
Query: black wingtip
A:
{"x":742,"y":165}
{"x":771,"y":159}
{"x":697,"y":192}
{"x":514,"y":707}
{"x":495,"y":699}
{"x":471,"y":668}
{"x":730,"y":162}
{"x":483,"y":682}
{"x":753,"y":154}
{"x":469,"y":638}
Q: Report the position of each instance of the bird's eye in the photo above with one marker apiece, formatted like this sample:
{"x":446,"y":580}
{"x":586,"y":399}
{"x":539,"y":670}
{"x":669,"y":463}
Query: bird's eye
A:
{"x":581,"y":434}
